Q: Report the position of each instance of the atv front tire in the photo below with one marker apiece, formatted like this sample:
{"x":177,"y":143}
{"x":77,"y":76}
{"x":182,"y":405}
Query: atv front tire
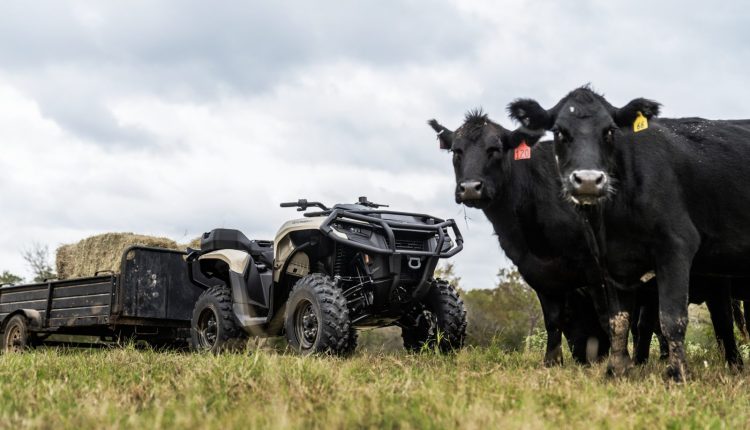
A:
{"x":317,"y":318}
{"x":439,"y":319}
{"x":214,"y":327}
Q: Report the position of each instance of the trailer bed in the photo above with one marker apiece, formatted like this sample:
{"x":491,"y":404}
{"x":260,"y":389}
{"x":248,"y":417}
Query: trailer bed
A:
{"x":150,"y":298}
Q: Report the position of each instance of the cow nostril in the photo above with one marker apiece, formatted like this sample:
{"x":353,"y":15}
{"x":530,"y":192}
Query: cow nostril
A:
{"x":576,"y":179}
{"x":461,"y":188}
{"x":478,"y":186}
{"x":600,"y":179}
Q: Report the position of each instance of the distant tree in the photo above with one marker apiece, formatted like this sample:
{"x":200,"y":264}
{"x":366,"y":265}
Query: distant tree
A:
{"x":504,"y":315}
{"x":37,"y":257}
{"x":10,"y":278}
{"x":447,"y":273}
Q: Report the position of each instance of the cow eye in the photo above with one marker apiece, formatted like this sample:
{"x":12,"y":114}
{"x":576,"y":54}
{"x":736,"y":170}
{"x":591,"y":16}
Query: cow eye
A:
{"x":457,"y":155}
{"x":492,"y":151}
{"x":609,"y":134}
{"x":559,"y":135}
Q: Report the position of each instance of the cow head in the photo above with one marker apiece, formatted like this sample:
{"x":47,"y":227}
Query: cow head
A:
{"x":481,"y":151}
{"x":586,"y":128}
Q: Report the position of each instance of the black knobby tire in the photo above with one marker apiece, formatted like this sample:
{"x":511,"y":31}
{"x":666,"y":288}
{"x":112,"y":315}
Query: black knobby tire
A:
{"x":440,"y":315}
{"x":214,"y":327}
{"x":316,"y":319}
{"x":16,"y":335}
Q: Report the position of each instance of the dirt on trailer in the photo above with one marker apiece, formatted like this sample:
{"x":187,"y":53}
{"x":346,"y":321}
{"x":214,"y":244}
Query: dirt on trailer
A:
{"x":103,"y":252}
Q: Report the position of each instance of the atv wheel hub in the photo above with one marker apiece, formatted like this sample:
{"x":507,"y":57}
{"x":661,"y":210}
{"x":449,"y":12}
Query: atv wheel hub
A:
{"x":306,"y":323}
{"x":208,"y":328}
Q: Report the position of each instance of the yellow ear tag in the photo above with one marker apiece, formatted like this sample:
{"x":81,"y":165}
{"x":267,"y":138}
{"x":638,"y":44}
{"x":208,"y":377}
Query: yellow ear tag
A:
{"x":640,"y":123}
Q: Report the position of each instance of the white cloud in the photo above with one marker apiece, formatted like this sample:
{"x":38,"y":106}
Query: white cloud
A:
{"x":174,"y":118}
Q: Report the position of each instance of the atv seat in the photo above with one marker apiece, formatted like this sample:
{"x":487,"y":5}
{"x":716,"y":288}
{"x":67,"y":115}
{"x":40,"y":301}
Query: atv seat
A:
{"x":225,"y":238}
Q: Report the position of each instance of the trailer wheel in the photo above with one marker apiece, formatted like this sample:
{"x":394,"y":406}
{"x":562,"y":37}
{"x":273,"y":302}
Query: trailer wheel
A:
{"x":213,"y":327}
{"x":317,"y":317}
{"x":440,"y":316}
{"x":16,"y":336}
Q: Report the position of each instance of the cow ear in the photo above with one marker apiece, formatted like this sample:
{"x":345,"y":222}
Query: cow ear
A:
{"x":445,"y":136}
{"x":626,"y":115}
{"x":531,"y":115}
{"x":534,"y":119}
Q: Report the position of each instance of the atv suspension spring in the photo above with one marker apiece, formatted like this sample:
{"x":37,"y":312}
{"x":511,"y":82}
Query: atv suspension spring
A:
{"x":341,"y":260}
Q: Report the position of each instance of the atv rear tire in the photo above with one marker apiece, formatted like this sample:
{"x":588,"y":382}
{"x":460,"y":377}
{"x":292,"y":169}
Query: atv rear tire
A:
{"x":316,"y":319}
{"x":16,"y":336}
{"x":214,"y":327}
{"x":440,"y":316}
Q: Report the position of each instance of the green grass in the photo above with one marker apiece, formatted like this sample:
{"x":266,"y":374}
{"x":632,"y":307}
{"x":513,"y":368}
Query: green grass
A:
{"x":476,"y":389}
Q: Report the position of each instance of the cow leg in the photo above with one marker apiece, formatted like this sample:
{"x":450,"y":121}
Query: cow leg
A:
{"x":552,"y":309}
{"x":663,"y":345}
{"x":645,"y":320}
{"x":635,"y":321}
{"x":621,"y":305}
{"x":746,"y":307}
{"x":739,"y":318}
{"x":598,"y":298}
{"x":646,"y":328}
{"x":719,"y":305}
{"x":674,"y":276}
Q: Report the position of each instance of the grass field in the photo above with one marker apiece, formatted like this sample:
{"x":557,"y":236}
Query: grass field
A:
{"x":476,"y":388}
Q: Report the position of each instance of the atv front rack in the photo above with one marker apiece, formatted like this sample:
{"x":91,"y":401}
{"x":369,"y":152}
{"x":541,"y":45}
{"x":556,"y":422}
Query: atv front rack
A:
{"x":439,"y":228}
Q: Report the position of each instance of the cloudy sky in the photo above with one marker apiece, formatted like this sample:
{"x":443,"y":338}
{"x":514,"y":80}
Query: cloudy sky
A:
{"x":174,"y":117}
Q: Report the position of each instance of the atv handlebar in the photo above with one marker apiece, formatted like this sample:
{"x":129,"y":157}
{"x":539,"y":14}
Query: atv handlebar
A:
{"x":303,"y":204}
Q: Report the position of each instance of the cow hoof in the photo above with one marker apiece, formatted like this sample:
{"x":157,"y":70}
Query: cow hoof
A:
{"x":553,"y":358}
{"x":676,"y":374}
{"x":619,"y":366}
{"x":736,"y":367}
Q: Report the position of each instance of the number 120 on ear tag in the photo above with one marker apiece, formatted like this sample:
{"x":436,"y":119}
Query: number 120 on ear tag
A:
{"x":522,"y":151}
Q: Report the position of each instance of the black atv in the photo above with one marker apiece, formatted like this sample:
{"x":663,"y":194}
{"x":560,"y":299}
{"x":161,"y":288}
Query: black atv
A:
{"x":324,"y":276}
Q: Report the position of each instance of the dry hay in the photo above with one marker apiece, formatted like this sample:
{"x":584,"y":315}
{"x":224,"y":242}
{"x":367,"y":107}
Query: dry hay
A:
{"x":195,"y":244}
{"x":102,"y":252}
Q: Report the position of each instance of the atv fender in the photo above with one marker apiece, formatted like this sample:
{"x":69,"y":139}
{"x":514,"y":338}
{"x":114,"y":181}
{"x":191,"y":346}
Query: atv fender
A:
{"x":236,"y":260}
{"x":246,"y":285}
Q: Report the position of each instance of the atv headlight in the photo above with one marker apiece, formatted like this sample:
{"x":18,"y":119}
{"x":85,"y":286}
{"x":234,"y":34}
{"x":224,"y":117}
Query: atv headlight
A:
{"x":352,"y":231}
{"x":338,"y":233}
{"x":448,"y":244}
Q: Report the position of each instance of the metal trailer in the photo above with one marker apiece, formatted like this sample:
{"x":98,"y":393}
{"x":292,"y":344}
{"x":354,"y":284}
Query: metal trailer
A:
{"x":150,"y":299}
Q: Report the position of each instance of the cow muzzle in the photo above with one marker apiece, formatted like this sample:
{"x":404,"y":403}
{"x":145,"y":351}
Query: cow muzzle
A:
{"x":588,"y":186}
{"x":469,"y":192}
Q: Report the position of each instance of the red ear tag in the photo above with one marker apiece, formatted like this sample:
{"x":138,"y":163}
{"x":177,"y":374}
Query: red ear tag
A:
{"x":522,"y":151}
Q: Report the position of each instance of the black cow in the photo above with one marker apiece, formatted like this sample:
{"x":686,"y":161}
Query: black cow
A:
{"x":703,"y":289}
{"x":658,"y":194}
{"x":539,"y":232}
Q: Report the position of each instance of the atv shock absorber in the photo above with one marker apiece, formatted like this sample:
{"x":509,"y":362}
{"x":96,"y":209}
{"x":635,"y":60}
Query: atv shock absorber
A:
{"x":341,"y":260}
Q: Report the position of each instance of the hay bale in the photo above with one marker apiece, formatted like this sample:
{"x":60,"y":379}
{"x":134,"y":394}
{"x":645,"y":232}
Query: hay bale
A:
{"x":195,"y":244}
{"x":102,"y":252}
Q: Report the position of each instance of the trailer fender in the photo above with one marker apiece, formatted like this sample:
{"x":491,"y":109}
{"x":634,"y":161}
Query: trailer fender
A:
{"x":33,"y":316}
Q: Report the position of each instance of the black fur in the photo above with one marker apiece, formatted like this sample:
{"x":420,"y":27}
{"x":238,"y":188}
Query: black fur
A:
{"x":680,"y":204}
{"x":535,"y":229}
{"x":625,"y":116}
{"x":445,"y":136}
